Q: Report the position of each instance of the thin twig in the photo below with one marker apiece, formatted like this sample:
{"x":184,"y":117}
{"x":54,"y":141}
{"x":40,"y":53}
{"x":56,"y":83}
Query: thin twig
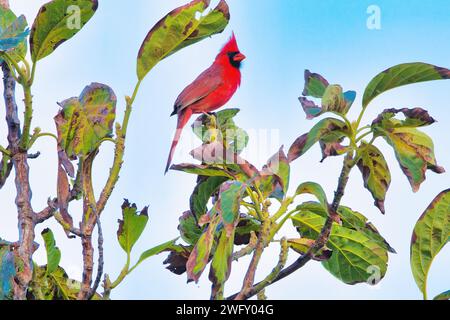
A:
{"x":249,"y":279}
{"x":248,"y":249}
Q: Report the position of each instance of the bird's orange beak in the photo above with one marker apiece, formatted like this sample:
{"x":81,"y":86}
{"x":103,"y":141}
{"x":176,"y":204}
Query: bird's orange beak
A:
{"x":239,"y":57}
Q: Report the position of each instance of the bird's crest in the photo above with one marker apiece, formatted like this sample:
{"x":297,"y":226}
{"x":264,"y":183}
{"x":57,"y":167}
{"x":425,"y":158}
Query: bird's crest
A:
{"x":230,"y":46}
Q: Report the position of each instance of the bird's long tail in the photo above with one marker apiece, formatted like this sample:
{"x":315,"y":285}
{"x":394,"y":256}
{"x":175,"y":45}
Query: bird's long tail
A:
{"x":183,"y":118}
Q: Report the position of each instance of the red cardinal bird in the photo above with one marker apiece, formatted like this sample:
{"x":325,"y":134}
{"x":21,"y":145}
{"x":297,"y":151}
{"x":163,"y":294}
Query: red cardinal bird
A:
{"x":210,"y":91}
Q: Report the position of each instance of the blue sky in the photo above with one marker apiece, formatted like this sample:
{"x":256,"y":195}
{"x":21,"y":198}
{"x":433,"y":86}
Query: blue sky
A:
{"x":280,"y":39}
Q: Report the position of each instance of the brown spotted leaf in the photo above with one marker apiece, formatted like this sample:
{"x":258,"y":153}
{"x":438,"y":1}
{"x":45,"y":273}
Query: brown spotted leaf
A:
{"x":57,"y":22}
{"x":279,"y":165}
{"x":315,"y":85}
{"x":415,"y":153}
{"x":200,"y":256}
{"x":431,"y":234}
{"x":416,"y":117}
{"x":327,"y":130}
{"x":333,"y":148}
{"x":375,"y":172}
{"x":221,"y":263}
{"x":83,"y":122}
{"x":334,"y":99}
{"x":178,"y":29}
{"x":413,"y":148}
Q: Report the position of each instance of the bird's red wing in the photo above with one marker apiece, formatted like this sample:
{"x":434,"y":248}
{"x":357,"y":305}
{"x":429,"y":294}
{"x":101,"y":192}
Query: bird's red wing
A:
{"x":206,"y":83}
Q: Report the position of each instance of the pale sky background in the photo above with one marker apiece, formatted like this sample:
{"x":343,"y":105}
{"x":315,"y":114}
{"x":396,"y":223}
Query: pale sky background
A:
{"x":281,"y":39}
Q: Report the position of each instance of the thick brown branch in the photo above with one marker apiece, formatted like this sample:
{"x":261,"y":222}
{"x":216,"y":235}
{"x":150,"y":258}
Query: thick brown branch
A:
{"x":12,"y":117}
{"x":26,"y":216}
{"x":48,"y":212}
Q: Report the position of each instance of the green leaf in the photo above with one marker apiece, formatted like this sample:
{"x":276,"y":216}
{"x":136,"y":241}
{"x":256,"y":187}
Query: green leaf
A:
{"x":54,"y":286}
{"x":335,"y":101}
{"x":132,"y":226}
{"x":303,"y":246}
{"x":57,"y":22}
{"x":13,"y":36}
{"x":201,"y":170}
{"x":430,"y":235}
{"x":350,"y":219}
{"x":278,"y":165}
{"x":230,"y":197}
{"x":205,"y":189}
{"x":169,"y":245}
{"x":221,"y":263}
{"x":354,"y":256}
{"x":443,"y":296}
{"x":7,"y":271}
{"x":83,"y":122}
{"x":375,"y":172}
{"x":8,"y":20}
{"x":6,"y":17}
{"x":179,"y":29}
{"x":315,"y":85}
{"x":401,"y":75}
{"x":315,"y":190}
{"x":326,"y":130}
{"x":200,"y":256}
{"x":333,"y":97}
{"x":53,"y":252}
{"x":414,"y":151}
{"x":189,"y":229}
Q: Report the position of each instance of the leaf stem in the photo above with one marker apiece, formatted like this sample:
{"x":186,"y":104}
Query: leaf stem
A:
{"x":24,"y":142}
{"x":5,"y":151}
{"x":363,"y":136}
{"x":121,"y":132}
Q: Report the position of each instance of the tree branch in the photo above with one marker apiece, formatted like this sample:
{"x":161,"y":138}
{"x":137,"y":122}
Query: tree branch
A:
{"x":90,"y":217}
{"x":320,"y":242}
{"x":100,"y":261}
{"x":26,"y":216}
{"x":249,"y":279}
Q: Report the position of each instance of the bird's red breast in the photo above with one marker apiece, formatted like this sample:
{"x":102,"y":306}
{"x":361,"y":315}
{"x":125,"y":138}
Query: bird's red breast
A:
{"x":215,"y":86}
{"x":211,"y":90}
